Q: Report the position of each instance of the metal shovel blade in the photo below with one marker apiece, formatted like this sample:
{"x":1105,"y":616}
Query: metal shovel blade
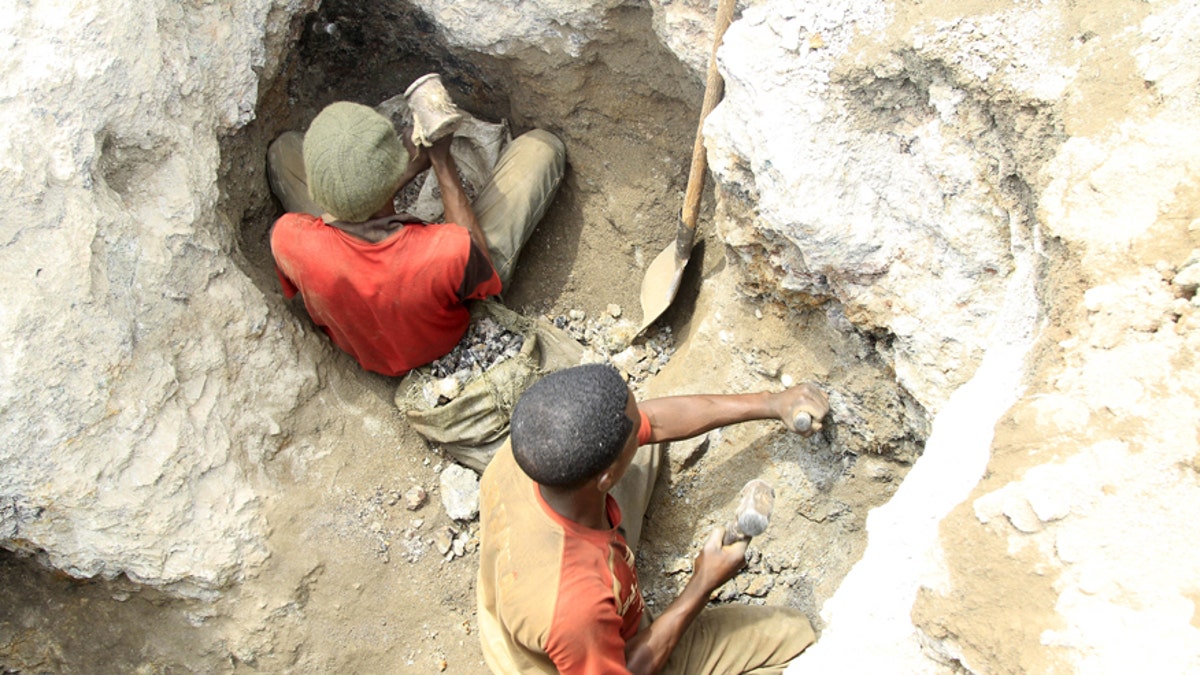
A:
{"x":666,"y":271}
{"x":661,"y":284}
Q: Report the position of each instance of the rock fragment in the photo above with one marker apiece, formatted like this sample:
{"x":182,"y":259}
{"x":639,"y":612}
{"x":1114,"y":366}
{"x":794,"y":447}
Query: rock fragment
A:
{"x":414,"y":498}
{"x":460,"y":492}
{"x":611,"y":339}
{"x":485,"y":344}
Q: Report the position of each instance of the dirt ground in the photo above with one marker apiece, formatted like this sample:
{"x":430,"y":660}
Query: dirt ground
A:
{"x":356,"y":581}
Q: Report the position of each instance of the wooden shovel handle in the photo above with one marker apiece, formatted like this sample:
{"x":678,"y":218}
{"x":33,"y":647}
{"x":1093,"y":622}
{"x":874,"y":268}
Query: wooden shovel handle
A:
{"x":714,"y":88}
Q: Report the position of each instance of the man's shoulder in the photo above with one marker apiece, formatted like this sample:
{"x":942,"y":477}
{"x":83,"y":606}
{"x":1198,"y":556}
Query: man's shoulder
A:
{"x":295,"y":219}
{"x":293,"y":224}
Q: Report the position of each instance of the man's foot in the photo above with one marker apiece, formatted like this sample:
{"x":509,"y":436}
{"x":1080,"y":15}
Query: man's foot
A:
{"x":802,"y":409}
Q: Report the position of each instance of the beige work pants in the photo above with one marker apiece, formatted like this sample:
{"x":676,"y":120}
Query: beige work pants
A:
{"x":508,"y":208}
{"x":726,"y":639}
{"x":741,"y":639}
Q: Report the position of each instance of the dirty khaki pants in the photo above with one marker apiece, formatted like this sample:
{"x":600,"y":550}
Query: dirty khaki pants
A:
{"x":508,"y":207}
{"x":726,"y":639}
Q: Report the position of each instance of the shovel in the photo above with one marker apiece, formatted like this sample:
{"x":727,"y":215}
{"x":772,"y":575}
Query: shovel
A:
{"x":661,"y":282}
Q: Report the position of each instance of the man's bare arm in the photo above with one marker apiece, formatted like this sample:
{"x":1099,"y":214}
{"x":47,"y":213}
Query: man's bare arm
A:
{"x":674,"y":418}
{"x":418,"y":160}
{"x":454,"y":196}
{"x":650,"y":649}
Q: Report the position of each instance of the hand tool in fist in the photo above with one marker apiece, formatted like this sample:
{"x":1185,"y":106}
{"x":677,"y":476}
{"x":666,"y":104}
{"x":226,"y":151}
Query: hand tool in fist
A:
{"x":753,"y":513}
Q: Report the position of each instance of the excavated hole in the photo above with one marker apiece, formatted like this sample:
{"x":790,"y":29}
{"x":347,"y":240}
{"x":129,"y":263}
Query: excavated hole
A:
{"x":626,"y":109}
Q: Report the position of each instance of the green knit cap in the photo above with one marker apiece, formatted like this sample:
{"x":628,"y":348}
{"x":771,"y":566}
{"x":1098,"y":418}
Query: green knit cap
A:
{"x":354,"y":161}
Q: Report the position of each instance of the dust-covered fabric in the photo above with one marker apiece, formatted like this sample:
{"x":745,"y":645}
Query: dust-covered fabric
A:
{"x":553,"y":596}
{"x":472,"y":426}
{"x":393,"y":305}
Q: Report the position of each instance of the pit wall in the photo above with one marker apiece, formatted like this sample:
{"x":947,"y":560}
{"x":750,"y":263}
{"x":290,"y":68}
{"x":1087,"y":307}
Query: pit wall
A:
{"x":965,"y":179}
{"x":142,"y":377}
{"x":990,"y":187}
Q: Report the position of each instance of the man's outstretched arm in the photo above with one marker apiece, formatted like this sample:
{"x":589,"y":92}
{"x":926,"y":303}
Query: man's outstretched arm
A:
{"x":674,"y":418}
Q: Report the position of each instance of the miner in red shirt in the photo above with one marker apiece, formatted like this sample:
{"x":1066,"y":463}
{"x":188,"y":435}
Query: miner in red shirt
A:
{"x":560,"y":516}
{"x":388,"y":289}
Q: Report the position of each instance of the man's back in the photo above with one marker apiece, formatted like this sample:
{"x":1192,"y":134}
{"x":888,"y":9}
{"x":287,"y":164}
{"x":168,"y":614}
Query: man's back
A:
{"x":547,"y":585}
{"x":393,"y":305}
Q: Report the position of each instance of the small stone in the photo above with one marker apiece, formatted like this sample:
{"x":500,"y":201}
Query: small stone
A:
{"x":460,"y":492}
{"x":760,"y":586}
{"x":629,"y":359}
{"x":447,"y":387}
{"x":787,"y":380}
{"x":577,"y":315}
{"x":729,"y":592}
{"x":443,"y":539}
{"x":414,"y":498}
{"x":614,"y":311}
{"x":1188,"y":278}
{"x":1165,"y":269}
{"x":777,"y":566}
{"x":679,"y":565}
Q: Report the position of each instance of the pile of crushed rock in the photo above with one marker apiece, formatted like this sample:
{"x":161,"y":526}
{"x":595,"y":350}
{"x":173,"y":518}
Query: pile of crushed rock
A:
{"x":607,"y":338}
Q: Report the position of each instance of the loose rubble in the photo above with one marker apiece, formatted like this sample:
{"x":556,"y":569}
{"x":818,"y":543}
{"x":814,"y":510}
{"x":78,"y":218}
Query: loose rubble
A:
{"x":485,"y":344}
{"x":610,"y":339}
{"x":414,"y":498}
{"x":607,"y":339}
{"x":455,"y":541}
{"x":763,"y":572}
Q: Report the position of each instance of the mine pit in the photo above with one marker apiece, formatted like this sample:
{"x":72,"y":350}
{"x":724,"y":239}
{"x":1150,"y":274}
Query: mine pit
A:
{"x":975,"y":225}
{"x":627,"y":110}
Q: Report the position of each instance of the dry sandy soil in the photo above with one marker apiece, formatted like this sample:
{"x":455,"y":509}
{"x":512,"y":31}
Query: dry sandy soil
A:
{"x":355,"y":582}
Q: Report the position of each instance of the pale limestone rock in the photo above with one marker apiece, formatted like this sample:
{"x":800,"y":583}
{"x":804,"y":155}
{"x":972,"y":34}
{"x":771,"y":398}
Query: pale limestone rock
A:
{"x":460,"y":492}
{"x":875,"y":182}
{"x":913,"y":172}
{"x":140,"y":370}
{"x":556,"y":27}
{"x":686,"y":27}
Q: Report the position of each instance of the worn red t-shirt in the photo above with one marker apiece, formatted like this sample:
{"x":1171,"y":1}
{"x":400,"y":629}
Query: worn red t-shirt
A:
{"x":553,"y":596}
{"x":393,"y":305}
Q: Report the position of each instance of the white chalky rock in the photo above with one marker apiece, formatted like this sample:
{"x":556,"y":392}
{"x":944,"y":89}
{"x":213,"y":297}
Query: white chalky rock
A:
{"x":144,"y":381}
{"x":460,"y":492}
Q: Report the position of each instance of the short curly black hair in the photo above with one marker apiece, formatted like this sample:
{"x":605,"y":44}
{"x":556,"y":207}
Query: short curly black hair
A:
{"x":571,"y":425}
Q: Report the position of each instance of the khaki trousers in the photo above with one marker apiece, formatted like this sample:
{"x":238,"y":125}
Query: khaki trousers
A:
{"x":726,"y":639}
{"x":509,"y":206}
{"x":741,"y":639}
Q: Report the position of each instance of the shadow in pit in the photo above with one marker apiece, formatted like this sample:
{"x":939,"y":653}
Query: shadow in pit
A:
{"x":54,"y":623}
